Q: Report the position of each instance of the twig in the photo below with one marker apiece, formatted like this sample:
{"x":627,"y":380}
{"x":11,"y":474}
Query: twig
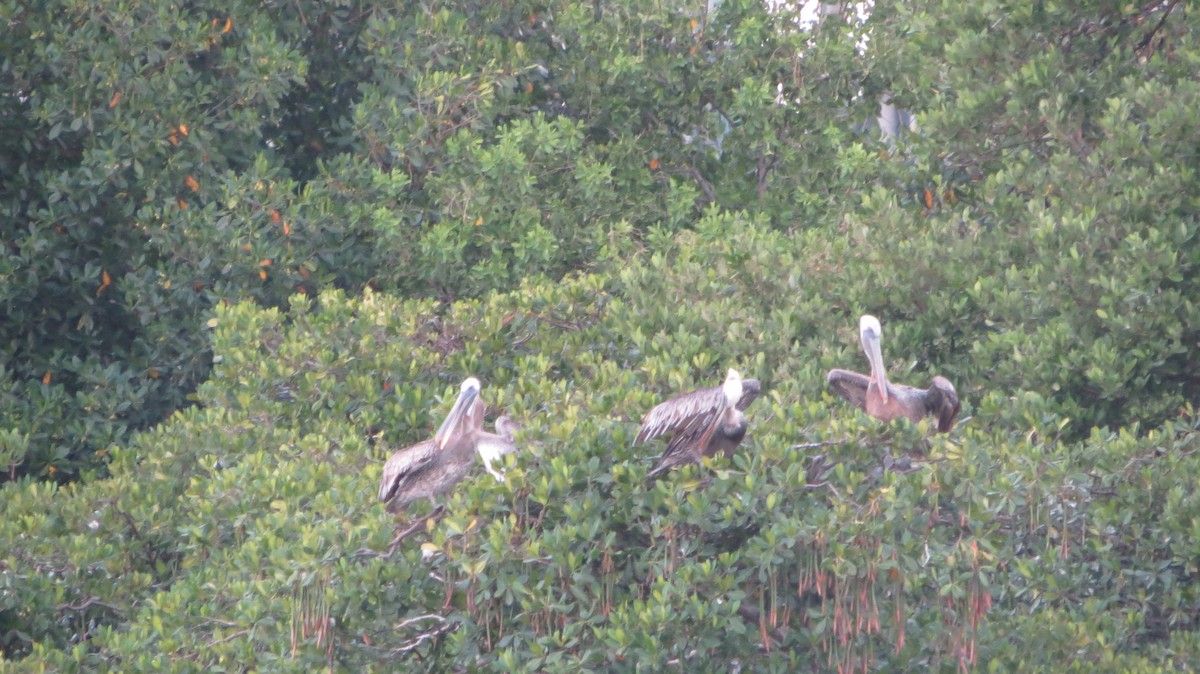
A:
{"x":394,"y":544}
{"x":416,"y":641}
{"x":1145,"y":42}
{"x":90,"y":601}
{"x":412,"y":528}
{"x":128,"y":519}
{"x":823,"y":443}
{"x":818,"y":485}
{"x":710,"y":192}
{"x":231,"y":637}
{"x":416,"y":619}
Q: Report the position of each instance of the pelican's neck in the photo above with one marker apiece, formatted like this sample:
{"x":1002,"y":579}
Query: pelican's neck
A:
{"x":474,"y":419}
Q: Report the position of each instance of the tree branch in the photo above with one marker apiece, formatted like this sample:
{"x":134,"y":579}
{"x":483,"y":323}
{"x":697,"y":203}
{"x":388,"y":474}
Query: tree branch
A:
{"x":1145,"y":42}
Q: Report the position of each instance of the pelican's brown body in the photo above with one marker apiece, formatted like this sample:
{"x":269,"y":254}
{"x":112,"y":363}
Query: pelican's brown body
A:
{"x":429,"y":469}
{"x":887,"y":401}
{"x":423,"y":471}
{"x":708,"y":422}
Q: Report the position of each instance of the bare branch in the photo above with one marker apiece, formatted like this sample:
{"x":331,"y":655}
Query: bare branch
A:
{"x":1145,"y":42}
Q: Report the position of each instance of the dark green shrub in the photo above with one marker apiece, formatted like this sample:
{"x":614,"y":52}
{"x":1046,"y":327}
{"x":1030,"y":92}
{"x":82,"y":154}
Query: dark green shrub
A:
{"x":1033,"y":241}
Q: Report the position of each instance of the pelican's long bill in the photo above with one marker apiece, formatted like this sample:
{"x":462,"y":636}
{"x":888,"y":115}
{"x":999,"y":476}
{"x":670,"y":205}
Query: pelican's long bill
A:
{"x":466,"y":397}
{"x":870,"y":332}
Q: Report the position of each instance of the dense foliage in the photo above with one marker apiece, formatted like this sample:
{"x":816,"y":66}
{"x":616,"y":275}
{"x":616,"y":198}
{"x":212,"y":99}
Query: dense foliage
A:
{"x":312,"y":220}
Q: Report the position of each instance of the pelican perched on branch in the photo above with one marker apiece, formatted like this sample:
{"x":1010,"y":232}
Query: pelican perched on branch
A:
{"x":708,"y":422}
{"x":886,"y":401}
{"x":430,"y":468}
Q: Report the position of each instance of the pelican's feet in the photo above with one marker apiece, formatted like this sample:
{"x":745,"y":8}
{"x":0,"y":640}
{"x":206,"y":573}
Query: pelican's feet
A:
{"x":498,"y":474}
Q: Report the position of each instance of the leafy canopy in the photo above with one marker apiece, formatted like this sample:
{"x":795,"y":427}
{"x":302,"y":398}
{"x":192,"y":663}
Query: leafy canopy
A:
{"x":312,"y":221}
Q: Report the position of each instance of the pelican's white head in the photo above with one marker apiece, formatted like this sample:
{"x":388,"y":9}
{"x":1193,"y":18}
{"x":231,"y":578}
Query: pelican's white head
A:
{"x":732,"y":386}
{"x":868,"y":324}
{"x":471,"y":388}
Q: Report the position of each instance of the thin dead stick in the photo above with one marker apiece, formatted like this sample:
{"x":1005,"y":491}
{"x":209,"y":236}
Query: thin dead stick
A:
{"x":411,"y":529}
{"x":823,"y":443}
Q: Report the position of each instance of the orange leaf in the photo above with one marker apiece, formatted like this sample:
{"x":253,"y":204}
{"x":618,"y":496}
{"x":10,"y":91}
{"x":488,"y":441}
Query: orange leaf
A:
{"x":275,"y":218}
{"x":228,"y":25}
{"x":533,"y":18}
{"x":287,"y":229}
{"x":264,"y":263}
{"x":50,"y":470}
{"x":105,"y":282}
{"x":928,"y":199}
{"x":478,"y":221}
{"x":46,"y":378}
{"x":262,"y":274}
{"x":246,"y":247}
{"x":153,"y":372}
{"x":115,"y":99}
{"x":182,"y":205}
{"x":192,"y":183}
{"x":183,"y":128}
{"x":173,"y":138}
{"x":653,"y":164}
{"x":529,"y":87}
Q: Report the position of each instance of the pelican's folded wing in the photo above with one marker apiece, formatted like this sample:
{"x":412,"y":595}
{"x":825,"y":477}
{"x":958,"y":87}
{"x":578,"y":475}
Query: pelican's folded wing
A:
{"x":690,"y":410}
{"x":683,"y":448}
{"x":691,"y":437}
{"x":944,"y":403}
{"x":850,"y":385}
{"x":404,"y":465}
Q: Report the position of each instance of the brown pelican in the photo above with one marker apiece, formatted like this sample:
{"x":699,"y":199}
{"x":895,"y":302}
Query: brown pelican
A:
{"x":707,"y":422}
{"x":430,"y":468}
{"x":886,"y":401}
